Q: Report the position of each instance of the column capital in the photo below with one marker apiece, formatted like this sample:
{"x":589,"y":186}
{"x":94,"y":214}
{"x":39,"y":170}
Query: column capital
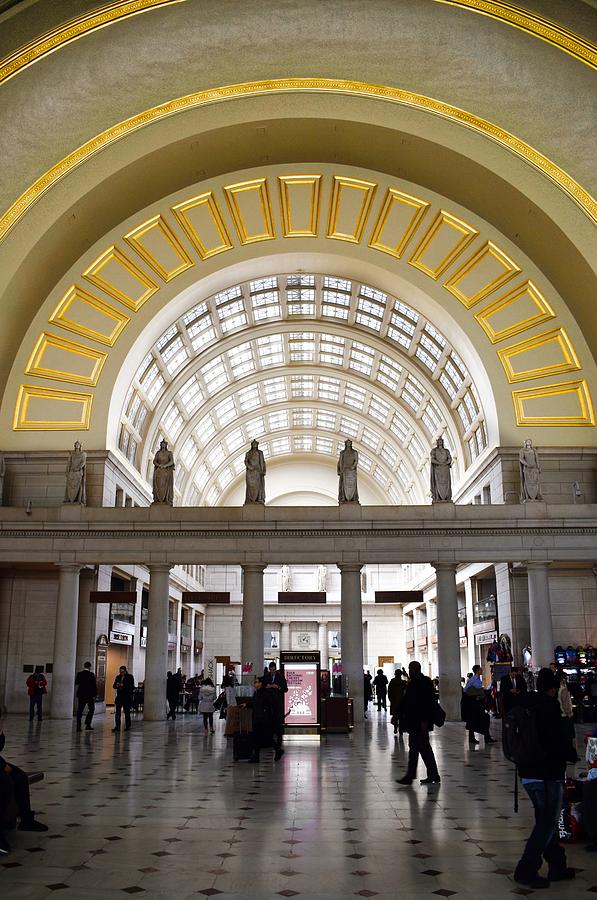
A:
{"x":75,"y":568}
{"x":445,"y":566}
{"x":253,"y":567}
{"x":538,"y":565}
{"x":350,"y":567}
{"x":159,"y":567}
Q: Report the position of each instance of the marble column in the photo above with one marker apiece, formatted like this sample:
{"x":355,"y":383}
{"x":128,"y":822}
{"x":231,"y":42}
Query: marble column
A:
{"x":323,"y":644}
{"x":177,"y":655}
{"x":251,"y":636}
{"x":86,"y":620}
{"x":542,"y":645}
{"x":448,"y":643}
{"x":351,"y":612}
{"x":192,"y":654}
{"x":156,"y":652}
{"x":137,"y":587}
{"x":65,"y":642}
{"x":284,"y":635}
{"x":470,"y":618}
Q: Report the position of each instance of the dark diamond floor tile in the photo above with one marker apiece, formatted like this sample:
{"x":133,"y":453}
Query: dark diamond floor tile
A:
{"x":431,"y":872}
{"x":59,"y":886}
{"x":134,"y":889}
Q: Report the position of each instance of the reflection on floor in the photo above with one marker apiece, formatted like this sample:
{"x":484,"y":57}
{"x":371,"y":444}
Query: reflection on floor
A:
{"x":162,"y":811}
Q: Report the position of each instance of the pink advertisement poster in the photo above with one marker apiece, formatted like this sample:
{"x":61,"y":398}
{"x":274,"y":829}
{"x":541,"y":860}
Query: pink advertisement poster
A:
{"x":301,"y":699}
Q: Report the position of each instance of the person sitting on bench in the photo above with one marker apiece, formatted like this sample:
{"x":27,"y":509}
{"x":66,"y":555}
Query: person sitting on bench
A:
{"x":14,"y":785}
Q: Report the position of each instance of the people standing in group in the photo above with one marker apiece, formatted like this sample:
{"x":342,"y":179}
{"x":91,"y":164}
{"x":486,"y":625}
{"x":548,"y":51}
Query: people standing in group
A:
{"x":37,"y":686}
{"x":124,"y":685}
{"x":418,"y":707}
{"x":274,"y":681}
{"x":512,"y":687}
{"x":396,"y":689}
{"x":543,"y":780}
{"x":381,"y":690}
{"x":207,"y":698}
{"x":173,"y":689}
{"x":367,"y":691}
{"x":474,"y":713}
{"x":86,"y":685}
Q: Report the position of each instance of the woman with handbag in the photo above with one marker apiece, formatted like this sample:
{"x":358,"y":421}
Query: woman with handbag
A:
{"x":207,"y":698}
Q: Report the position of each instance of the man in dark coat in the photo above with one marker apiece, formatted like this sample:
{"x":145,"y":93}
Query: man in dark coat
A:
{"x":264,"y":717}
{"x":124,"y":685}
{"x":381,"y":689}
{"x":418,"y":708}
{"x":274,"y":681}
{"x":173,"y":689}
{"x":14,"y":791}
{"x":396,"y":689}
{"x":543,"y":780}
{"x":512,"y":687}
{"x":86,"y":693}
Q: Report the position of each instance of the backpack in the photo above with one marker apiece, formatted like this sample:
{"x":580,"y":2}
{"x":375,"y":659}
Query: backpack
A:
{"x":521,"y":741}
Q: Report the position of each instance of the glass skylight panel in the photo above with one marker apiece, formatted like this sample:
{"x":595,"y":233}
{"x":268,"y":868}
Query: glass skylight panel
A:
{"x":331,"y":349}
{"x":141,"y":417}
{"x":369,"y":313}
{"x":226,"y":411}
{"x":274,"y":390}
{"x":389,"y":372}
{"x":266,"y":449}
{"x":393,"y":494}
{"x":141,"y":372}
{"x":205,"y":429}
{"x":302,"y":385}
{"x":431,"y":346}
{"x":280,"y":445}
{"x":179,"y":476}
{"x":482,"y":432}
{"x":328,"y":388}
{"x":464,"y":415}
{"x":152,"y":382}
{"x":175,"y":355}
{"x":365,"y":462}
{"x":479,"y":439}
{"x":300,"y":293}
{"x":255,"y":428}
{"x":167,"y":336}
{"x":216,"y":455}
{"x":470,"y":405}
{"x":201,"y":476}
{"x":195,"y":313}
{"x":472,"y":446}
{"x":432,"y":410}
{"x":389,"y":455}
{"x":380,"y":476}
{"x":300,"y":280}
{"x":361,"y":358}
{"x":241,"y":360}
{"x":214,"y":374}
{"x":248,"y":398}
{"x":415,"y":448}
{"x":266,"y":299}
{"x":132,"y":450}
{"x":302,"y":418}
{"x":334,"y":312}
{"x":373,"y":294}
{"x":394,"y":334}
{"x":379,"y":409}
{"x":231,"y":293}
{"x":264,"y":284}
{"x":324,"y":445}
{"x":123,"y":440}
{"x":234,"y":440}
{"x":455,"y":369}
{"x":371,"y":438}
{"x":399,"y":426}
{"x":173,"y":421}
{"x":303,"y":442}
{"x":448,"y":385}
{"x":341,"y":284}
{"x":239,"y":464}
{"x":354,"y":396}
{"x":301,"y":347}
{"x":225,"y":477}
{"x":201,"y":331}
{"x":212,"y":496}
{"x":403,"y":474}
{"x":271,"y":350}
{"x":236,"y":321}
{"x":278,"y":420}
{"x":435,"y":335}
{"x":189,"y":452}
{"x":326,"y":420}
{"x":132,"y":404}
{"x":191,"y":394}
{"x":349,"y":427}
{"x":368,"y":321}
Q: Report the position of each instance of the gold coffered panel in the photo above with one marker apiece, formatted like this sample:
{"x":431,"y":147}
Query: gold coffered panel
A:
{"x":203,"y":224}
{"x":87,"y":315}
{"x":56,"y":357}
{"x":116,"y":274}
{"x":349,"y":208}
{"x":486,"y":271}
{"x":444,"y":240}
{"x":518,"y":310}
{"x":550,"y":353}
{"x":251,"y":210}
{"x":299,"y":203}
{"x":566,"y":403}
{"x":398,"y":220}
{"x":157,"y":244}
{"x":47,"y":409}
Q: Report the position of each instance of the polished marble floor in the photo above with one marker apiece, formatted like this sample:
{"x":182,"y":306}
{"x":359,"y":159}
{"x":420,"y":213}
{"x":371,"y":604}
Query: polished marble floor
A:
{"x":162,"y":811}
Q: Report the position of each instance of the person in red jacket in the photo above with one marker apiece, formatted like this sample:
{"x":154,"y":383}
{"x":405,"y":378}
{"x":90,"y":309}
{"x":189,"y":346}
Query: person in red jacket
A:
{"x":37,"y":686}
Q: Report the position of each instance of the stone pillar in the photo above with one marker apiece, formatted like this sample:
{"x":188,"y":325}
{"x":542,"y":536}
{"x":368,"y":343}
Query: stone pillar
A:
{"x":542,"y":645}
{"x":252,"y":624}
{"x":192,"y":661}
{"x":323,"y":644}
{"x":65,"y":642}
{"x":284,"y":635}
{"x":351,"y":613}
{"x":470,"y":618}
{"x":448,"y":644}
{"x":177,"y":654}
{"x":86,"y":621}
{"x":137,"y":586}
{"x":156,"y":652}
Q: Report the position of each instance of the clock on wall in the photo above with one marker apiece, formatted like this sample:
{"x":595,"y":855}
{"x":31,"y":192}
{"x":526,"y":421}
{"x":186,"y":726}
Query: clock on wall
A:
{"x":304,"y":639}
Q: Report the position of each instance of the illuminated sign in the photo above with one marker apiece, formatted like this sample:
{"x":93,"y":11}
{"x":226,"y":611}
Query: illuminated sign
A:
{"x":300,"y":703}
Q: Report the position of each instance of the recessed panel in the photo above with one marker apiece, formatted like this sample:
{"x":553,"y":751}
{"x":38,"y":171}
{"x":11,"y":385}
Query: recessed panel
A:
{"x":87,"y":315}
{"x":566,"y":403}
{"x":398,"y":220}
{"x":299,"y":203}
{"x":251,"y":210}
{"x":518,"y":310}
{"x":157,"y":244}
{"x":55,"y":357}
{"x":349,"y":208}
{"x":203,"y":224}
{"x":550,"y":353}
{"x":442,"y":243}
{"x":46,"y":409}
{"x":116,"y":274}
{"x":487,"y":270}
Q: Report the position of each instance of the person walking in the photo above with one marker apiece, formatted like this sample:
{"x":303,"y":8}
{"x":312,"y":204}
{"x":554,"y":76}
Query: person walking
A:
{"x":396,"y":689}
{"x":418,"y":708}
{"x":475,"y":715}
{"x":263,"y":719}
{"x":207,"y":698}
{"x":381,"y":689}
{"x":543,"y":780}
{"x":173,"y":688}
{"x":367,"y":691}
{"x":37,"y":686}
{"x":124,"y":685}
{"x":86,"y":685}
{"x":274,"y":681}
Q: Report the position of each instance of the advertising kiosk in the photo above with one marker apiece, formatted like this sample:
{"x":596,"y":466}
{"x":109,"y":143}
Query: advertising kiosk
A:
{"x":302,"y":705}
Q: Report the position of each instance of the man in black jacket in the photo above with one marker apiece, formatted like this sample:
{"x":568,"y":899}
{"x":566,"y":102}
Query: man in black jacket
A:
{"x":14,"y":788}
{"x":512,"y":689}
{"x":263,"y":720}
{"x":417,"y":714}
{"x":274,"y":681}
{"x":543,"y":780}
{"x":86,"y":694}
{"x":124,"y":685}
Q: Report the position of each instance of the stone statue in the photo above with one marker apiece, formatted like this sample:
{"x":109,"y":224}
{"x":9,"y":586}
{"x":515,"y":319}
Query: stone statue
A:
{"x":530,"y":470}
{"x":441,"y":477}
{"x":286,"y":583}
{"x":75,"y":476}
{"x":255,"y":475}
{"x":163,"y":476}
{"x":2,"y":474}
{"x":322,"y":577}
{"x":348,"y":461}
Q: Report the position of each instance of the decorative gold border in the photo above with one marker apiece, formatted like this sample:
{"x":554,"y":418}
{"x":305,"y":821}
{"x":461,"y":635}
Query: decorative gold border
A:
{"x":284,"y":183}
{"x":207,"y":199}
{"x":59,"y":316}
{"x":26,"y":391}
{"x":545,"y":312}
{"x":580,"y":388}
{"x":135,"y":240}
{"x":419,"y":207}
{"x":93,"y":275}
{"x":570,"y":361}
{"x":51,"y":340}
{"x":511,"y":269}
{"x":515,"y":145}
{"x":538,"y":26}
{"x":71,"y":31}
{"x":259,"y":186}
{"x":367,"y":189}
{"x":467,"y":234}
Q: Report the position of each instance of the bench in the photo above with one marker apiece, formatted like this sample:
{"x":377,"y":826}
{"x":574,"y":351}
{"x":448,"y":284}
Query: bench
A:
{"x":10,"y":815}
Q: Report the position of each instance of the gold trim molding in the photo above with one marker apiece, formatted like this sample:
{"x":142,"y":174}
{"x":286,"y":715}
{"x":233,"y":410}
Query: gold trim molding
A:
{"x":583,"y":199}
{"x":72,"y":30}
{"x":538,"y":26}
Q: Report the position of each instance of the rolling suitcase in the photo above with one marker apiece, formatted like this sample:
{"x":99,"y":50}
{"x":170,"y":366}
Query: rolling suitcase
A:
{"x":242,"y":745}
